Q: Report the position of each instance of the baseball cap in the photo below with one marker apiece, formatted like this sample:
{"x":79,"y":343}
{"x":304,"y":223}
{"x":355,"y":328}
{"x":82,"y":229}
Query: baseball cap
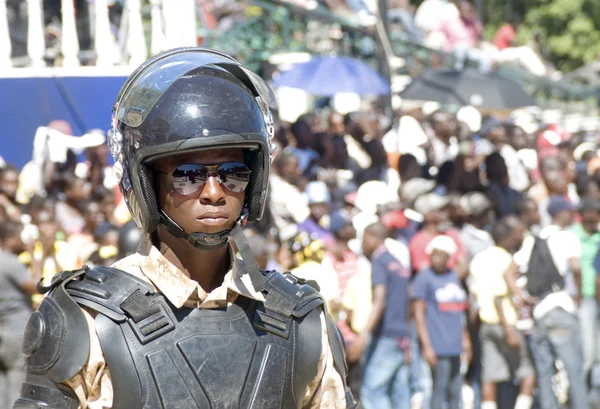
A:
{"x":442,"y":243}
{"x":338,"y":221}
{"x":317,"y":192}
{"x":430,"y":202}
{"x":475,"y":203}
{"x":558,"y":204}
{"x":488,"y":124}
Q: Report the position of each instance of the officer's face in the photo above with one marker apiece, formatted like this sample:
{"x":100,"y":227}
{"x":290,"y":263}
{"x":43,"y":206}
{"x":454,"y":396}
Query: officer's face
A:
{"x":211,"y":209}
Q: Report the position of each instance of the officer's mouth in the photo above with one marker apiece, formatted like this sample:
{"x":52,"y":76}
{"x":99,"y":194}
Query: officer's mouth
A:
{"x":215,"y":219}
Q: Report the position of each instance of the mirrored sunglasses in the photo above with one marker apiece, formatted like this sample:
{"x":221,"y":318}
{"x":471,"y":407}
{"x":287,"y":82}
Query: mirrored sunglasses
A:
{"x":191,"y":177}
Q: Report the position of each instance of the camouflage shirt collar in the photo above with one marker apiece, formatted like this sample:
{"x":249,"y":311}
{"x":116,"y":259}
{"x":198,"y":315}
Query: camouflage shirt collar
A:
{"x":181,"y":290}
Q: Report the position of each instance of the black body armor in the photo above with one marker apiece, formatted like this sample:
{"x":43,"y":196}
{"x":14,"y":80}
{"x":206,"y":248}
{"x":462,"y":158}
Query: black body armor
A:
{"x":250,"y":355}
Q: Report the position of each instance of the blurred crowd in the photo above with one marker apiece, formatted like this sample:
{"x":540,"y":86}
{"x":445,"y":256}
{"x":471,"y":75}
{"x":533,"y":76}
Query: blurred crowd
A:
{"x":458,"y":254}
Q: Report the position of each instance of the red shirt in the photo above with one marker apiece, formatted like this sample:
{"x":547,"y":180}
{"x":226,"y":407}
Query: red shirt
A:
{"x":421,"y":240}
{"x":504,"y":37}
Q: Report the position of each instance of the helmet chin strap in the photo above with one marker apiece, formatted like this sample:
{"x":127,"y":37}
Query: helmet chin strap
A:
{"x":205,"y":241}
{"x":202,"y":241}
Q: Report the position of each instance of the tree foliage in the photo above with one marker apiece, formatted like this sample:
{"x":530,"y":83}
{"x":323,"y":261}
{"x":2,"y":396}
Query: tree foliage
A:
{"x":568,"y":30}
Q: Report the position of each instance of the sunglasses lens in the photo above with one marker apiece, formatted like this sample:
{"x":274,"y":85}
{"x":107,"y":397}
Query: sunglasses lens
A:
{"x":234,"y":176}
{"x":189,"y":178}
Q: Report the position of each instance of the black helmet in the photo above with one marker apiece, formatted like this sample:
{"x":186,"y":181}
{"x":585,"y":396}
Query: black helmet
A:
{"x":189,"y":99}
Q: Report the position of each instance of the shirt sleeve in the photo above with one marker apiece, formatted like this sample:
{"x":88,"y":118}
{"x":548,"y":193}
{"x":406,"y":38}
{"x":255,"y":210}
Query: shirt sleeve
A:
{"x":597,"y":263}
{"x":418,"y":257}
{"x":419,"y":287}
{"x":572,"y":244}
{"x":92,"y":384}
{"x":18,"y":273}
{"x":379,"y":273}
{"x":326,"y":391}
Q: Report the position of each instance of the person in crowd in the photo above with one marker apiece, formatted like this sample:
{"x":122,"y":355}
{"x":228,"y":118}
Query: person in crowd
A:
{"x":17,"y":286}
{"x":528,"y":213}
{"x":444,"y":144}
{"x":97,"y":170}
{"x":107,"y":200}
{"x":364,"y":144}
{"x":504,"y":351}
{"x":589,"y":239}
{"x":339,"y":257}
{"x":440,"y":304}
{"x":495,"y":131}
{"x":466,"y":174}
{"x":306,"y":263}
{"x":288,"y":200}
{"x":9,"y":181}
{"x":585,"y":185}
{"x":499,"y":192}
{"x":50,"y":253}
{"x":435,"y":223}
{"x":396,"y":143}
{"x":68,"y":214}
{"x":548,"y":261}
{"x":83,"y":242}
{"x":318,"y":203}
{"x":352,"y":306}
{"x":506,"y":35}
{"x":474,"y":235}
{"x":409,"y":168}
{"x":303,"y":148}
{"x":547,"y":165}
{"x":385,"y":339}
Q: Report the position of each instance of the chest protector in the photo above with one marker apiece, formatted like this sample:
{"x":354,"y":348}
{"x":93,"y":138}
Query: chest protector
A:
{"x":249,"y":355}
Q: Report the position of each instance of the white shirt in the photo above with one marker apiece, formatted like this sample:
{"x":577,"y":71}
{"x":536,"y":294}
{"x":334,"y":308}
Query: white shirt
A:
{"x":429,"y":14}
{"x":519,"y":179}
{"x":407,"y":137}
{"x":443,"y":153}
{"x":289,"y":206}
{"x":563,"y":245}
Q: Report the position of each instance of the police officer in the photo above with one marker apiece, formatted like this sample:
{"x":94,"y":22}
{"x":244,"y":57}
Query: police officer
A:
{"x":183,"y":323}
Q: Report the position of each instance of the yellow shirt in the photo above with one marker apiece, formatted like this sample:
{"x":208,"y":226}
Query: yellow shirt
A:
{"x":92,"y":384}
{"x":487,"y":282}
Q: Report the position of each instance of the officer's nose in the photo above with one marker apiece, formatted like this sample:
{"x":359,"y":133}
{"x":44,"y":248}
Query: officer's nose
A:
{"x":212,"y":192}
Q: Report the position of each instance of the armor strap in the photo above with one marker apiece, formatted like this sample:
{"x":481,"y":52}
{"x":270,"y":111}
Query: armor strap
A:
{"x":149,"y":316}
{"x":40,"y":393}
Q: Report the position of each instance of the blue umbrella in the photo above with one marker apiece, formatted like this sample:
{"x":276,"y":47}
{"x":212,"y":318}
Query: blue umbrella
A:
{"x":326,"y":76}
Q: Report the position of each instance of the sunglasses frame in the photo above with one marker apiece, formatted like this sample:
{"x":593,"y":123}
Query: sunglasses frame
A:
{"x":213,"y":171}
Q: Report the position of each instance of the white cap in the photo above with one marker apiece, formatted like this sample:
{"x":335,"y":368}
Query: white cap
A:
{"x":372,"y":194}
{"x":442,"y":243}
{"x":471,"y":116}
{"x":317,"y":192}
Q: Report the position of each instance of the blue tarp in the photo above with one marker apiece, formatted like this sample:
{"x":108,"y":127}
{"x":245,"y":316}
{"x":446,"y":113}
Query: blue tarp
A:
{"x":26,"y":103}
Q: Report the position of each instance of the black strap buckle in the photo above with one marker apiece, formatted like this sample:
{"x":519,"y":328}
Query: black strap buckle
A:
{"x":60,"y":278}
{"x":149,"y":317}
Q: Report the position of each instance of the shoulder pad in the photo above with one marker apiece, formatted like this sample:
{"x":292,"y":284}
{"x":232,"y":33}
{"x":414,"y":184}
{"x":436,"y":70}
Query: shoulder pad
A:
{"x":105,"y":289}
{"x":289,"y":295}
{"x":56,"y":340}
